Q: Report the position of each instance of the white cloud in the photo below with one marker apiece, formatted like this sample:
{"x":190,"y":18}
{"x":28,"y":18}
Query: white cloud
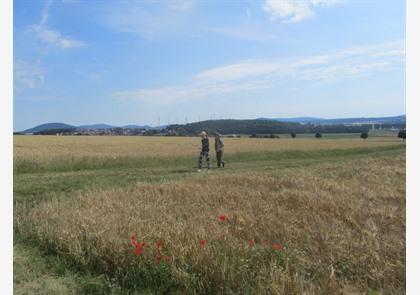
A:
{"x":247,"y":69}
{"x":55,"y":38}
{"x":394,"y":49}
{"x":353,"y":60}
{"x":150,"y":19}
{"x":27,"y":75}
{"x":254,"y":75}
{"x":340,"y":71}
{"x":293,"y":10}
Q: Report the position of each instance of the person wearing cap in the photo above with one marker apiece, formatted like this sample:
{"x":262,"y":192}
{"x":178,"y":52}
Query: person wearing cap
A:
{"x":219,"y":145}
{"x":205,"y":151}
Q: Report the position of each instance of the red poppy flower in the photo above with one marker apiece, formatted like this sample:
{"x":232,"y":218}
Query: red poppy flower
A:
{"x":159,"y":245}
{"x":139,"y":248}
{"x":203,"y":243}
{"x":251,"y":243}
{"x":222,"y":218}
{"x":277,"y":246}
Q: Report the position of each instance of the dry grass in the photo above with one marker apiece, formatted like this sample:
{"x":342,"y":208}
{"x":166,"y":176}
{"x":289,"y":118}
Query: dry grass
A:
{"x":342,"y":227}
{"x":40,"y":148}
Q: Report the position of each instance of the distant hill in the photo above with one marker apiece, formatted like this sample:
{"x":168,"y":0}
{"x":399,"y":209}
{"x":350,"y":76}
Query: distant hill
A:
{"x":106,"y":126}
{"x":259,"y":127}
{"x":370,"y":120}
{"x":138,"y":126}
{"x":232,"y":126}
{"x":62,"y":126}
{"x":302,"y":120}
{"x":96,"y":126}
{"x":48,"y":126}
{"x":347,"y":121}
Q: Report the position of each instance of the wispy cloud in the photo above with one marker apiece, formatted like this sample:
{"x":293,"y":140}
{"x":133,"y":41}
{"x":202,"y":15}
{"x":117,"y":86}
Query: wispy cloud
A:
{"x":243,"y":70}
{"x":350,"y":61}
{"x":27,"y":75}
{"x":254,"y":75}
{"x":55,"y":38}
{"x":182,"y":5}
{"x":45,"y":12}
{"x":172,"y":94}
{"x":245,"y":33}
{"x":149,"y":19}
{"x":50,"y":36}
{"x":293,"y":10}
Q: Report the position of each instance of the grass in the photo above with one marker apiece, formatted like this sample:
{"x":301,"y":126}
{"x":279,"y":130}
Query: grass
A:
{"x":339,"y":214}
{"x":186,"y":163}
{"x":65,"y":176}
{"x":33,"y":276}
{"x":39,"y":272}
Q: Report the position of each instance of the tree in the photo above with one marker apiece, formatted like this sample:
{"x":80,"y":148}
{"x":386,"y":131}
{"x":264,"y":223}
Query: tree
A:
{"x":318,"y":135}
{"x":293,"y":135}
{"x":364,"y":135}
{"x":118,"y":131}
{"x":401,"y":134}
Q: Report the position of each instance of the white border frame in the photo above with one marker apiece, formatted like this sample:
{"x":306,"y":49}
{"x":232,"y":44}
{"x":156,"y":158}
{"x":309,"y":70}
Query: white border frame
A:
{"x":413,"y":146}
{"x":6,"y":153}
{"x":413,"y":119}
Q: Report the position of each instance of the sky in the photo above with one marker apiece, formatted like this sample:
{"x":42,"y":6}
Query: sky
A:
{"x":177,"y":61}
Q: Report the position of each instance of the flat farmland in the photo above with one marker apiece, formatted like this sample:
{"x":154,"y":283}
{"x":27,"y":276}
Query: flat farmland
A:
{"x":49,"y":147}
{"x":130,"y":215}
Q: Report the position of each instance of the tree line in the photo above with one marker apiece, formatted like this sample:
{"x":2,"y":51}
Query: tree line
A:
{"x":261,"y":127}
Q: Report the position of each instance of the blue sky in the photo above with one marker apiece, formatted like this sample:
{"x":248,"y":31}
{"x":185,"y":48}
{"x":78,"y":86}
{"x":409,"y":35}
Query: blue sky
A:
{"x":133,"y":62}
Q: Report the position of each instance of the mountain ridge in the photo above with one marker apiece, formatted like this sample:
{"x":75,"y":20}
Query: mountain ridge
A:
{"x":62,"y":126}
{"x":401,"y":119}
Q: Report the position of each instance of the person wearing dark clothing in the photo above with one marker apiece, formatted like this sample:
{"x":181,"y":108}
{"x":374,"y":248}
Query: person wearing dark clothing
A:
{"x":219,"y":146}
{"x":205,"y":151}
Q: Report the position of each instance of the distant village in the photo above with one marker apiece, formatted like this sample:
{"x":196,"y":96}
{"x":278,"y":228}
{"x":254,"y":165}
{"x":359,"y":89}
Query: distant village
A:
{"x":99,"y":131}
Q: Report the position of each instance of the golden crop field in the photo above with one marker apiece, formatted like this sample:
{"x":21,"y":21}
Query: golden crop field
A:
{"x":327,"y":218}
{"x":47,"y":147}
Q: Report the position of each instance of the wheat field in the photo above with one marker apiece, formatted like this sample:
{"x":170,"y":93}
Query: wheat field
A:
{"x":53,"y":147}
{"x":332,"y":222}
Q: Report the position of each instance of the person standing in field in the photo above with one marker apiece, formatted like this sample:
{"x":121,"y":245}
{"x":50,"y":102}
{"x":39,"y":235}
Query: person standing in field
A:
{"x":205,"y":151}
{"x":219,"y":146}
